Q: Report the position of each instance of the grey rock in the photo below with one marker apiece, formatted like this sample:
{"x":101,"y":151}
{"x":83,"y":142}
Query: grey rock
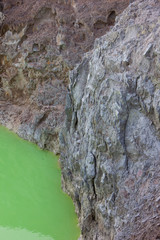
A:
{"x":110,"y":152}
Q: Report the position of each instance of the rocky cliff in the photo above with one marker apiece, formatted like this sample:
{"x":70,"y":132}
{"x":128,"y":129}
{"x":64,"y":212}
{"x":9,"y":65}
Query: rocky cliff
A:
{"x":41,"y":40}
{"x":110,"y":145}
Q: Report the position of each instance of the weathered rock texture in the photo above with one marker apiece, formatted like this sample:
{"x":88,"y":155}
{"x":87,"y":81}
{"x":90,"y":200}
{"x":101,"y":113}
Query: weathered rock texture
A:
{"x":110,"y":146}
{"x":41,"y":40}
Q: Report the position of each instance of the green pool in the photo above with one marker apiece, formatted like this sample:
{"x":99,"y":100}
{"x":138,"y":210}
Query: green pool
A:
{"x":32,"y":204}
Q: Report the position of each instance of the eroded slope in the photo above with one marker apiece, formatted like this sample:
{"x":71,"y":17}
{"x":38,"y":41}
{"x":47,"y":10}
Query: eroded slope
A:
{"x":41,"y":40}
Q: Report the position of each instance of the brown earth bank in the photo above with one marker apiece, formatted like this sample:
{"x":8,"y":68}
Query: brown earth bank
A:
{"x":41,"y":40}
{"x":110,"y":145}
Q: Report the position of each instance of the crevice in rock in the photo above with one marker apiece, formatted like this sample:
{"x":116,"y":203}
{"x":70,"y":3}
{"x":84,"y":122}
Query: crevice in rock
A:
{"x":111,"y":18}
{"x":1,"y":84}
{"x":43,"y":118}
{"x":68,"y":110}
{"x":93,"y":180}
{"x":19,"y":2}
{"x":75,"y":120}
{"x":4,"y":29}
{"x":1,"y":6}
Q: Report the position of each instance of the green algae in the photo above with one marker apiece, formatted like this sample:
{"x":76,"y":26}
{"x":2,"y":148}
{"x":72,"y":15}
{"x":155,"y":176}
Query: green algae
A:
{"x":32,"y":204}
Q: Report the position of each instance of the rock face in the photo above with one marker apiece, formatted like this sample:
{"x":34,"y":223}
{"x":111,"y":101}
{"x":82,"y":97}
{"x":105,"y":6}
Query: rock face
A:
{"x":110,"y":145}
{"x":41,"y":40}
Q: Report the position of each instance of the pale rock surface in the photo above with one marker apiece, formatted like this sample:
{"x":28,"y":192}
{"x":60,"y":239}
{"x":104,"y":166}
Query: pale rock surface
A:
{"x":110,"y":145}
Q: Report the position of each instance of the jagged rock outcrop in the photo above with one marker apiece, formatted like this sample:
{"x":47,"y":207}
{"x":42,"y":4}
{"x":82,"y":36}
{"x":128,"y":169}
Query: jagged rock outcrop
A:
{"x":41,"y":40}
{"x":110,"y":145}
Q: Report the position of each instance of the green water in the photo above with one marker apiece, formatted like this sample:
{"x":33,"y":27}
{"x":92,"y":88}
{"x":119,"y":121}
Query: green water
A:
{"x":32,"y":204}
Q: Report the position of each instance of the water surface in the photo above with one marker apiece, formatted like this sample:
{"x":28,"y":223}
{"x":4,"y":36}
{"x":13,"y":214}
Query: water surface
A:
{"x":32,"y":204}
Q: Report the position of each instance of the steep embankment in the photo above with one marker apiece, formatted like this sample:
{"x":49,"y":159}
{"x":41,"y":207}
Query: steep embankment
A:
{"x":110,"y":146}
{"x":41,"y":40}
